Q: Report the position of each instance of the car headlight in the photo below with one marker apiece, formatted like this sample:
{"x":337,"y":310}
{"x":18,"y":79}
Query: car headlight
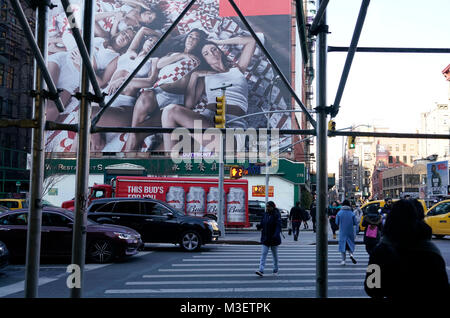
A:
{"x":213,"y":224}
{"x":2,"y":249}
{"x":125,"y":236}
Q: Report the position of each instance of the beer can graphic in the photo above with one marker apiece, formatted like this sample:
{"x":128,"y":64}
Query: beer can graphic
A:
{"x":175,"y":198}
{"x":212,"y":201}
{"x":195,"y":201}
{"x":236,"y":205}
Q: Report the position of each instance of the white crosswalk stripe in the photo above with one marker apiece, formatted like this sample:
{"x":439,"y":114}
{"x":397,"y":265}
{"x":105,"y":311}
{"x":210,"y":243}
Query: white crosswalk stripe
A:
{"x":230,"y":271}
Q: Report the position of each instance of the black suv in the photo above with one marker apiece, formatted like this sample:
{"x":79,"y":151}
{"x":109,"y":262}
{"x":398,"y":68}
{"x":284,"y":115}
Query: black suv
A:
{"x":156,"y":221}
{"x":256,"y":210}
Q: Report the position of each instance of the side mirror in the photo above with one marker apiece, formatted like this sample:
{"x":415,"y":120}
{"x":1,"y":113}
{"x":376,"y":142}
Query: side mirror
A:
{"x":170,"y":215}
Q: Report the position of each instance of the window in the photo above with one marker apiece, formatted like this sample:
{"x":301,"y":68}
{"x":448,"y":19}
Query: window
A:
{"x":404,"y":147}
{"x":443,"y":208}
{"x":108,"y":207}
{"x":397,"y":159}
{"x":405,"y":159}
{"x":15,"y":219}
{"x":391,"y":159}
{"x":55,"y":219}
{"x":152,"y":208}
{"x":131,"y":207}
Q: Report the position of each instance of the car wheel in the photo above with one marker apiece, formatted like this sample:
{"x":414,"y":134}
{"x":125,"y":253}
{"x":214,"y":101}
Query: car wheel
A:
{"x":101,"y":251}
{"x":439,"y":236}
{"x":190,"y":241}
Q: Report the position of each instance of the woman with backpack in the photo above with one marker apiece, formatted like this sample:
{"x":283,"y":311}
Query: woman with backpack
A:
{"x":373,"y":226}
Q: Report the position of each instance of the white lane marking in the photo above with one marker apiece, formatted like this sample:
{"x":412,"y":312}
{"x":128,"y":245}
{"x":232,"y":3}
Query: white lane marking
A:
{"x":255,"y":266}
{"x":204,"y":275}
{"x":252,"y":259}
{"x":225,"y":290}
{"x":247,"y":264}
{"x":254,"y":281}
{"x":20,"y":286}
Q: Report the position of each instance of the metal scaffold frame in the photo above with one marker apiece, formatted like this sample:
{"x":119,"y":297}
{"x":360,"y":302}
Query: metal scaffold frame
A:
{"x":86,"y":126}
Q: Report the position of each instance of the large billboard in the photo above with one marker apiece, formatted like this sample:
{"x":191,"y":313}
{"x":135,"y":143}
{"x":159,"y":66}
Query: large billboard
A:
{"x":208,"y":48}
{"x":437,"y":178}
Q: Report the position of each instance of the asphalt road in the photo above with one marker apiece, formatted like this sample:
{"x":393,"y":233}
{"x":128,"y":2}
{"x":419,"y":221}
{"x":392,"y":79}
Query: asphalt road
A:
{"x":217,"y":271}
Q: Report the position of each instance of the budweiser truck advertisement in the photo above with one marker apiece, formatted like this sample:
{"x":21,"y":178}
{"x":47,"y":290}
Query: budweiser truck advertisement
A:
{"x":193,"y":196}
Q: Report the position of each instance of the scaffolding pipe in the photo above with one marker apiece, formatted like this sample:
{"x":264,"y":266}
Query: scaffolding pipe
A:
{"x":350,"y":55}
{"x":131,"y":76}
{"x":321,"y":164}
{"x":274,"y":64}
{"x":318,"y":18}
{"x":83,"y":153}
{"x":40,"y":60}
{"x":37,"y":164}
{"x":84,"y":54}
{"x":390,"y":49}
{"x":302,"y":30}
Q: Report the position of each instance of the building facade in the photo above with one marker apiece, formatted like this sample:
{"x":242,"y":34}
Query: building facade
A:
{"x":16,"y":82}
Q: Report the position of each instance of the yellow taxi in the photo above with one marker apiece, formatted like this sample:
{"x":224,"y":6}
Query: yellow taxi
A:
{"x":14,"y":204}
{"x":379,"y":204}
{"x":438,"y":218}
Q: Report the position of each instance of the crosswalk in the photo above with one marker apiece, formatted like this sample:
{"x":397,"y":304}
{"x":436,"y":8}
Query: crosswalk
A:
{"x":229,"y":271}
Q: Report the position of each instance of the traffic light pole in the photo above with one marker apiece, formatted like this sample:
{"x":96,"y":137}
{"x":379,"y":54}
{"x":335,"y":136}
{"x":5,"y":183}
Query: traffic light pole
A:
{"x":220,"y":123}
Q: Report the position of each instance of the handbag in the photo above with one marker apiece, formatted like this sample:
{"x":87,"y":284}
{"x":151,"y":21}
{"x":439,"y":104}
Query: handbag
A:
{"x":372,"y":231}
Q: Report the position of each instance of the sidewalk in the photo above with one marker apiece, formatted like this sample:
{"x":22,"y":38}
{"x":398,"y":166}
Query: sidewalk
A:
{"x":251,"y":236}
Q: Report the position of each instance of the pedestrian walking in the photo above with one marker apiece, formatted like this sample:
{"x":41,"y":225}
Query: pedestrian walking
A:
{"x":270,"y":227}
{"x":312,"y":210}
{"x":333,"y":209}
{"x":386,"y":208}
{"x":372,"y":222}
{"x":346,"y":220}
{"x":407,"y":264}
{"x":295,"y":216}
{"x":305,"y":218}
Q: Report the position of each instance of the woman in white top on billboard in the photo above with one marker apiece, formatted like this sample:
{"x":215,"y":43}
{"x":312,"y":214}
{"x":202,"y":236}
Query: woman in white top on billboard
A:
{"x":133,"y":13}
{"x":64,"y":67}
{"x":120,"y":112}
{"x":201,"y":82}
{"x":168,"y":89}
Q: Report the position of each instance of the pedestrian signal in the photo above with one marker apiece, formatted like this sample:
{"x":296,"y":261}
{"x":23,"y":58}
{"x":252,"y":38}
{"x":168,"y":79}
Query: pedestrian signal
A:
{"x":236,"y":172}
{"x":219,"y":119}
{"x":351,"y":142}
{"x":332,"y":125}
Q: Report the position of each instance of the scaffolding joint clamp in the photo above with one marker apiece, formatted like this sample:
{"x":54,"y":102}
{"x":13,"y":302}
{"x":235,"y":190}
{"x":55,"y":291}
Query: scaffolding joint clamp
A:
{"x":322,"y":28}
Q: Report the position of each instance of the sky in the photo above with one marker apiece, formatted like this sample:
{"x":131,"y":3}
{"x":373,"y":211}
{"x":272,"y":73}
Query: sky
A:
{"x":387,"y":89}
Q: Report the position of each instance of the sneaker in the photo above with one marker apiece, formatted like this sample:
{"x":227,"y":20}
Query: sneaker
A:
{"x":259,"y":273}
{"x":275,"y":273}
{"x":353,"y":259}
{"x":343,"y":263}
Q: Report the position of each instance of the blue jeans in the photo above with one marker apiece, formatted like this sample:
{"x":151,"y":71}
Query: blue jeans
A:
{"x":264,"y":252}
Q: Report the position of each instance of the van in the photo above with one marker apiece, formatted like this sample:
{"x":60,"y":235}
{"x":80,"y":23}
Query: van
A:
{"x":380,"y":204}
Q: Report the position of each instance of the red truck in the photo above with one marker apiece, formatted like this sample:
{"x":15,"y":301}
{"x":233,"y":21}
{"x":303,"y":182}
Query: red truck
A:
{"x":193,"y":196}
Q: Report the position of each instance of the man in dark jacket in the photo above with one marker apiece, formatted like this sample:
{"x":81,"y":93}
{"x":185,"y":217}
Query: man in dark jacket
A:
{"x":296,"y":218}
{"x":406,"y":264}
{"x":270,"y":237}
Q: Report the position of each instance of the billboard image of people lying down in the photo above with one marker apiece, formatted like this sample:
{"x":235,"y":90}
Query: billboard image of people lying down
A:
{"x":208,"y":48}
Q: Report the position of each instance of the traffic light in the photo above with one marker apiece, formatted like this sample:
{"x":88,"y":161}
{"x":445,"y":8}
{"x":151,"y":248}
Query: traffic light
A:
{"x":219,"y":119}
{"x":236,"y":172}
{"x":332,"y":125}
{"x":351,"y":142}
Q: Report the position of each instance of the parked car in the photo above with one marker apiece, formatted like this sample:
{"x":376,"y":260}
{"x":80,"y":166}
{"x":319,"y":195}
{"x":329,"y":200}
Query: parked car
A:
{"x":14,"y":204}
{"x":438,"y":218}
{"x":256,"y":210}
{"x":4,"y":255}
{"x":104,"y":243}
{"x":156,"y":221}
{"x":3,"y":209}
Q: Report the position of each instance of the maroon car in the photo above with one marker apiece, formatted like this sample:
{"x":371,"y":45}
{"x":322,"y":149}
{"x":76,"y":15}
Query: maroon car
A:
{"x":104,"y":242}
